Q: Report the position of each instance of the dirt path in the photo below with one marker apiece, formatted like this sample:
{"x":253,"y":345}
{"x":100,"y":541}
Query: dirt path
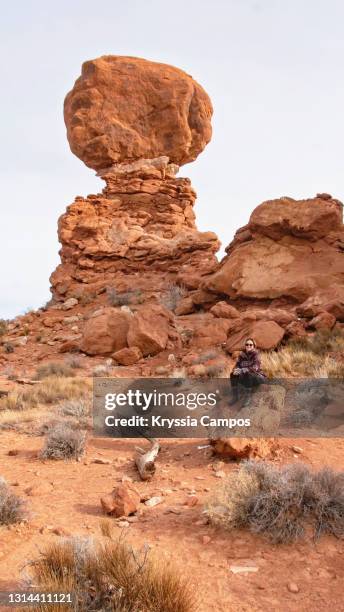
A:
{"x":66,"y":496}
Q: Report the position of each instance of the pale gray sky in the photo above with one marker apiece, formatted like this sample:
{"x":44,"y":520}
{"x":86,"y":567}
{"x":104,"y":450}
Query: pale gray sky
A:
{"x":274,"y":72}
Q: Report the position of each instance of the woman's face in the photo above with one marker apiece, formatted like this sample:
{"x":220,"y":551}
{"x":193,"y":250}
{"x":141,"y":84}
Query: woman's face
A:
{"x":249,"y":346}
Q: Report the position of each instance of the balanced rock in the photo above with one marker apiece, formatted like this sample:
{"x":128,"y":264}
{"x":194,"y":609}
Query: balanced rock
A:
{"x":123,"y":109}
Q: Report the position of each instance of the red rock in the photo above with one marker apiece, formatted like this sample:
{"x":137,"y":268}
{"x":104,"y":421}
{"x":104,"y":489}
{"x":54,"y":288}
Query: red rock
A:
{"x":128,"y":356}
{"x":148,"y":329}
{"x":330,"y":300}
{"x":267,"y":334}
{"x":324,"y":320}
{"x":191,"y":501}
{"x":125,"y":108}
{"x":224,"y":311}
{"x":295,"y":329}
{"x":123,"y":501}
{"x":292,"y":250}
{"x":106,"y":332}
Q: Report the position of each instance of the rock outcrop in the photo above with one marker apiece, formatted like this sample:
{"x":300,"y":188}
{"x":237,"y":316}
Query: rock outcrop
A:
{"x":290,"y":249}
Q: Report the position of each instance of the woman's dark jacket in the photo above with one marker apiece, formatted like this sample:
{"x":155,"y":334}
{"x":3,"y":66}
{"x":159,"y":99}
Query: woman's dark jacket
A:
{"x":249,"y":363}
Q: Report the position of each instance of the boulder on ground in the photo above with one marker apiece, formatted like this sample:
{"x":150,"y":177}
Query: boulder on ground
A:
{"x":105,"y":333}
{"x":123,"y":501}
{"x":224,"y":311}
{"x":324,"y":320}
{"x":267,"y":334}
{"x":149,"y":329}
{"x":127,"y":356}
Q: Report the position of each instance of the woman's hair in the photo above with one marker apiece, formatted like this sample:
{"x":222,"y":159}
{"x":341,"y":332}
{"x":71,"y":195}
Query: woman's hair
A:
{"x":251,"y":340}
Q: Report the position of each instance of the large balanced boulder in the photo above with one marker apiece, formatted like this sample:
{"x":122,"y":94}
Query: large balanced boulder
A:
{"x":290,"y":249}
{"x":123,"y":109}
{"x":106,"y":332}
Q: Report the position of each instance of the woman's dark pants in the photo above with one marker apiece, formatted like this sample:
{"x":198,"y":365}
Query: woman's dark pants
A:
{"x":248,"y":381}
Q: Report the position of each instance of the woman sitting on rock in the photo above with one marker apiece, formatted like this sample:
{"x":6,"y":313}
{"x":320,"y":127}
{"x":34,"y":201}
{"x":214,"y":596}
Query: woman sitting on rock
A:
{"x":247,"y":371}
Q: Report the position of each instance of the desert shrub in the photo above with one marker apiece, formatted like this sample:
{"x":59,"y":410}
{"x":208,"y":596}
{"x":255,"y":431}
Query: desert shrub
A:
{"x":125,"y":298}
{"x":74,"y":362}
{"x":102,"y":370}
{"x":64,"y":442}
{"x":54,"y":369}
{"x":3,"y":327}
{"x":172,"y":296}
{"x":77,"y":408}
{"x":8,"y":347}
{"x":12,"y":401}
{"x":215,"y":370}
{"x":12,"y":507}
{"x":111,"y":576}
{"x":279,"y":503}
{"x":204,"y":357}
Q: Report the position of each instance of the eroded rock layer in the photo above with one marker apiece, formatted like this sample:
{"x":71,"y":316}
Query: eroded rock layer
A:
{"x":140,"y":233}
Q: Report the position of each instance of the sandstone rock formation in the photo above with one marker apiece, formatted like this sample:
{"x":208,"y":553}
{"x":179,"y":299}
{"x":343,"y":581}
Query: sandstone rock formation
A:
{"x":289,"y":249}
{"x":123,"y":109}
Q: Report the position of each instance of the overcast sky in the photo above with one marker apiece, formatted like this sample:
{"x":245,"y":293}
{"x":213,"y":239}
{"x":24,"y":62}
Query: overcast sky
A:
{"x":274,"y":72}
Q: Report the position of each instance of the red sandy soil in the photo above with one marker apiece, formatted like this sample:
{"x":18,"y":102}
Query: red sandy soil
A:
{"x":66,"y":496}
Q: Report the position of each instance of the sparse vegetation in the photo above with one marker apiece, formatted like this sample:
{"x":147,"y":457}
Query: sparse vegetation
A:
{"x":308,"y":356}
{"x":12,"y":401}
{"x":8,"y":347}
{"x":125,"y":298}
{"x":172,"y":296}
{"x":78,"y":408}
{"x":111,"y":576}
{"x":54,"y":389}
{"x":54,"y":369}
{"x":12,"y":507}
{"x":279,"y":503}
{"x":204,"y":357}
{"x":3,"y":327}
{"x":74,"y":362}
{"x":64,"y":442}
{"x":102,"y":370}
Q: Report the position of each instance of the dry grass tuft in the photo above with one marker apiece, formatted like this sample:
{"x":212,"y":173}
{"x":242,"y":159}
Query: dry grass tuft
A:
{"x":64,"y":442}
{"x":279,"y":503}
{"x":111,"y":576}
{"x":3,"y":327}
{"x":307,"y":356}
{"x":172,"y":296}
{"x":12,"y":507}
{"x":56,"y":389}
{"x":54,"y":369}
{"x":125,"y":298}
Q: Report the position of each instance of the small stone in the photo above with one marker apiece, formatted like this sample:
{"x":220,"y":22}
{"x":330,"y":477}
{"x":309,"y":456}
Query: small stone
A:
{"x":191,"y":501}
{"x":205,"y":539}
{"x":220,"y":474}
{"x":70,"y":303}
{"x":297,"y":449}
{"x":102,"y":461}
{"x":61,"y":531}
{"x":123,"y":524}
{"x":153,"y":501}
{"x":292,"y":587}
{"x":132,"y":519}
{"x":13,"y":452}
